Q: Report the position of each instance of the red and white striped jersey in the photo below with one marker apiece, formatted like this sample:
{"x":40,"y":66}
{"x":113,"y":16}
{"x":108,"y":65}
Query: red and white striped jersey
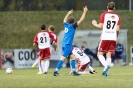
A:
{"x":43,"y":39}
{"x":110,"y":21}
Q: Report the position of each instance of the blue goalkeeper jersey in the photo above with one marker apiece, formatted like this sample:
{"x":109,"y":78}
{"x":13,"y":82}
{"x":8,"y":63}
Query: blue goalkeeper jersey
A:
{"x":69,"y":31}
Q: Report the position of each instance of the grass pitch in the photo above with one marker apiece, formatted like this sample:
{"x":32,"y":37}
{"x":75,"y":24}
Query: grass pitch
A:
{"x":119,"y":77}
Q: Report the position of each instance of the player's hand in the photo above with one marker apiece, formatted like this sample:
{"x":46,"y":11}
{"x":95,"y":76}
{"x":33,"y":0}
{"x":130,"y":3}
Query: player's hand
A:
{"x":54,"y":49}
{"x":34,"y":44}
{"x":85,"y":9}
{"x":70,"y":12}
{"x":94,"y":22}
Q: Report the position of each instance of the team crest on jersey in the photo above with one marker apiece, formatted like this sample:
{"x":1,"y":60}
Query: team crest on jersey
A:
{"x":43,"y":33}
{"x":113,"y":17}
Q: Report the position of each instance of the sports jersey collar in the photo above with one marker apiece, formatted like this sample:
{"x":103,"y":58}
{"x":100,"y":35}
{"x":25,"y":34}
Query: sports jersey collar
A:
{"x":110,"y":12}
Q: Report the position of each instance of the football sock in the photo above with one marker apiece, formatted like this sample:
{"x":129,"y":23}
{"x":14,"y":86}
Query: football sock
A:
{"x":102,"y":60}
{"x":36,"y":62}
{"x":43,"y":65}
{"x":72,"y":62}
{"x":90,"y":68}
{"x":108,"y":61}
{"x":84,"y":72}
{"x":46,"y":65}
{"x":59,"y":65}
{"x":40,"y":67}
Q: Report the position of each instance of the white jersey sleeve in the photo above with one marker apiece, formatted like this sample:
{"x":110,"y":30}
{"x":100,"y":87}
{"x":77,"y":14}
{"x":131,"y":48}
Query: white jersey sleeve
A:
{"x":82,"y":57}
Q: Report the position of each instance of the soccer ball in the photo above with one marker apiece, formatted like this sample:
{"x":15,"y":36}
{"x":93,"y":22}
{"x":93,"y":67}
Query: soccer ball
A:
{"x":9,"y":70}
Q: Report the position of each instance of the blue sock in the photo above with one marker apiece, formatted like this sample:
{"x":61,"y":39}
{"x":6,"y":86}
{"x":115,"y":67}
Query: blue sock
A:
{"x":59,"y":65}
{"x":72,"y":62}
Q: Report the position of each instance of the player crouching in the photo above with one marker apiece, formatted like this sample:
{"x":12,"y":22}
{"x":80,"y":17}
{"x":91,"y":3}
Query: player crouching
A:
{"x":83,"y":61}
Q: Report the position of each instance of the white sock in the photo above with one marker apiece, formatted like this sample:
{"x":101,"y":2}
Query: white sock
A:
{"x":90,"y":67}
{"x":43,"y":65}
{"x":40,"y":67}
{"x":84,"y":72}
{"x":108,"y":61}
{"x":36,"y":62}
{"x":46,"y":65}
{"x":102,"y":60}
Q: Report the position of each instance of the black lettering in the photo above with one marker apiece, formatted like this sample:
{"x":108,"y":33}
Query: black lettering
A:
{"x":19,"y":55}
{"x":33,"y":55}
{"x":26,"y":55}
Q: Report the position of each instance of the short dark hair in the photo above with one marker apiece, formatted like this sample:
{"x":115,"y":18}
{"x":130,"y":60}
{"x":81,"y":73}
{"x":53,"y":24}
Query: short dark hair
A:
{"x":51,"y":27}
{"x":71,"y":20}
{"x":43,"y":27}
{"x":111,"y":5}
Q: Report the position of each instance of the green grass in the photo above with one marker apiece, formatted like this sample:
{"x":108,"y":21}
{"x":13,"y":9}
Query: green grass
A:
{"x":119,"y":77}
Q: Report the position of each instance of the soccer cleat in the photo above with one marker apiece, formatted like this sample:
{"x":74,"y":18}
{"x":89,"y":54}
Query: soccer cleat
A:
{"x":39,"y":73}
{"x":105,"y":73}
{"x":92,"y":72}
{"x":45,"y":72}
{"x":56,"y":74}
{"x":33,"y":66}
{"x":76,"y":74}
{"x":70,"y":73}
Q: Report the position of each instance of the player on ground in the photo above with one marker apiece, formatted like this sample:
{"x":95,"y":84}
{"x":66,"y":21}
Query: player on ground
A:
{"x":42,"y":39}
{"x":83,"y":61}
{"x":69,"y":31}
{"x":52,"y":47}
{"x":110,"y":24}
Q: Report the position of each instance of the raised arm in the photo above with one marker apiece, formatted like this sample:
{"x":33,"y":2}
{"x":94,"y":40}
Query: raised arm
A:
{"x":66,"y":17}
{"x":83,"y":15}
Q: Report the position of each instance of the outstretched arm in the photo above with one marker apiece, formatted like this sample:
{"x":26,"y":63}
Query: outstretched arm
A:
{"x":100,"y":25}
{"x":66,"y":17}
{"x":83,"y":15}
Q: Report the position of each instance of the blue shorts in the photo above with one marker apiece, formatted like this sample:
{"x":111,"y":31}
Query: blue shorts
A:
{"x":67,"y":50}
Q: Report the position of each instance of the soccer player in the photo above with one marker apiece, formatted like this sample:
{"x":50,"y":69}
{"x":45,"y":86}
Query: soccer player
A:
{"x":83,"y":61}
{"x":110,"y":24}
{"x":42,"y":39}
{"x":52,"y":47}
{"x":69,"y":31}
{"x":52,"y":43}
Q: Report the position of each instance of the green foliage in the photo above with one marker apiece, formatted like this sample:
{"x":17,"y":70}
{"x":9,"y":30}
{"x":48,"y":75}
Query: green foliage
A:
{"x":17,"y":29}
{"x":119,"y":77}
